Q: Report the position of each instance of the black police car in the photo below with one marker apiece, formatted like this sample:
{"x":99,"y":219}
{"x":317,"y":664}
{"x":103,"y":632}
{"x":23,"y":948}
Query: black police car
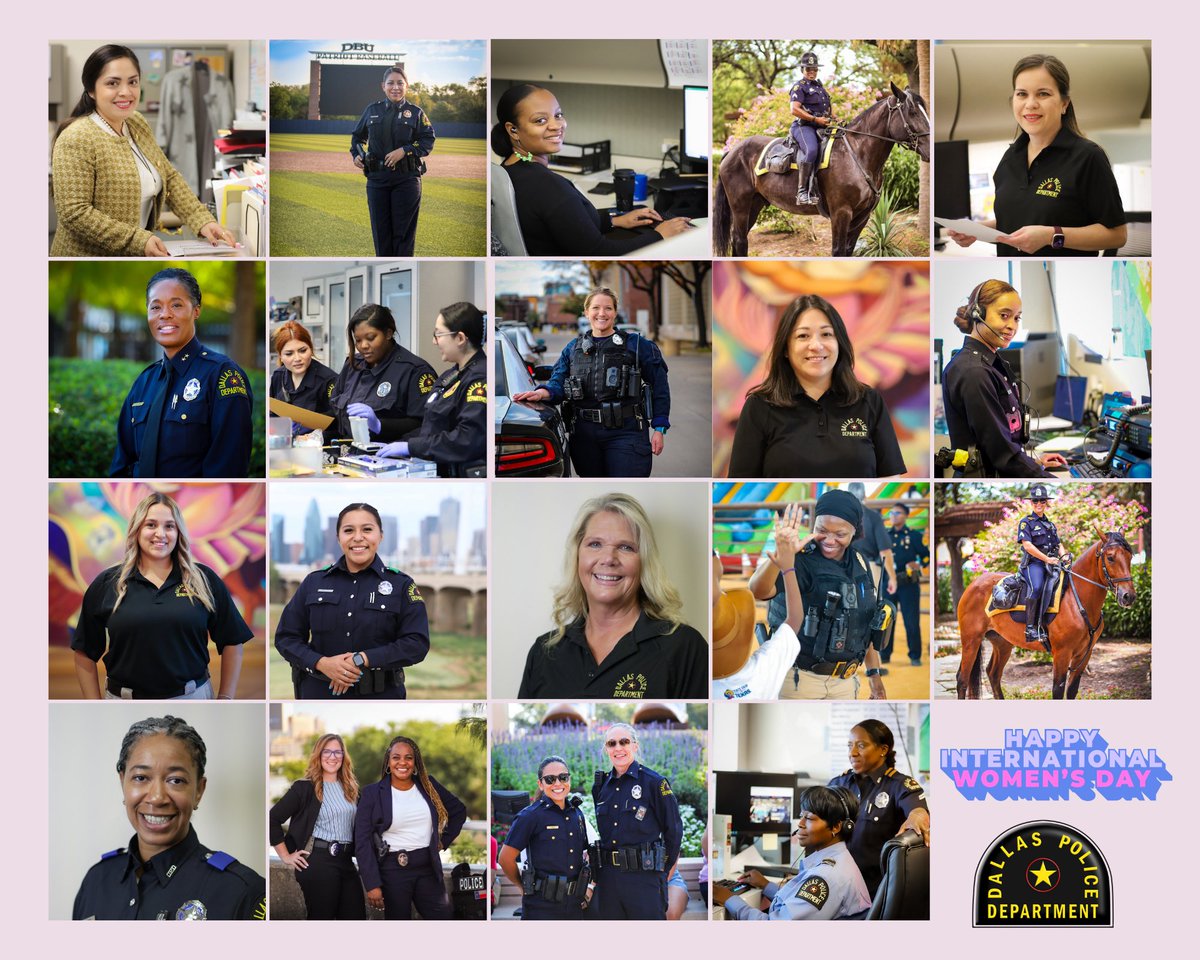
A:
{"x":531,"y":439}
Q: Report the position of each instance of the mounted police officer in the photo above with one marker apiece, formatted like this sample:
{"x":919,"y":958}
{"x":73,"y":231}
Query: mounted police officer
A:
{"x":811,"y":107}
{"x":620,"y":401}
{"x":1038,"y":538}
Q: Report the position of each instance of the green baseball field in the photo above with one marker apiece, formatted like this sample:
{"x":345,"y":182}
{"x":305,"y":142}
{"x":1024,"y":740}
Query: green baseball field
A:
{"x":318,"y":202}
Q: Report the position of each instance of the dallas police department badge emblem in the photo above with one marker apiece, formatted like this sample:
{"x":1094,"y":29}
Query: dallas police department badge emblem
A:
{"x":632,"y":686}
{"x":192,"y":390}
{"x":854,"y":427}
{"x":414,"y":595}
{"x":636,"y":792}
{"x":815,"y":891}
{"x":231,"y":382}
{"x":425,"y":383}
{"x":881,"y":799}
{"x":477,"y":392}
{"x":192,"y":910}
{"x":383,"y":389}
{"x":385,"y":587}
{"x":402,"y":858}
{"x":1050,"y":187}
{"x":1043,"y":874}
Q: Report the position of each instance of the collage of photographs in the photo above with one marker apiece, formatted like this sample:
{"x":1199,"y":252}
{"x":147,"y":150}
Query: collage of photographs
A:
{"x":817,"y":373}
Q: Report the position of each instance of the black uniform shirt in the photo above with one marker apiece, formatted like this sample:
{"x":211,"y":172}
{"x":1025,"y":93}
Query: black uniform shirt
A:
{"x":556,"y":839}
{"x":187,"y":882}
{"x":647,"y":663}
{"x":983,"y":410}
{"x":314,"y":392}
{"x":383,"y":127}
{"x":907,"y":547}
{"x":635,"y":808}
{"x":1069,"y":184}
{"x":816,"y":438}
{"x":813,"y":97}
{"x":157,"y":640}
{"x":395,"y":388}
{"x":456,"y":427}
{"x":1040,"y":532}
{"x":377,"y":610}
{"x":885,"y":799}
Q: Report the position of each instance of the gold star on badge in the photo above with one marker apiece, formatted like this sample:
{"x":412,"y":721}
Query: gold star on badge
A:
{"x":1043,"y":874}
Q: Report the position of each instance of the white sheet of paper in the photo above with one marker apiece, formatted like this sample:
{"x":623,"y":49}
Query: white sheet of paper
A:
{"x":971,"y":228}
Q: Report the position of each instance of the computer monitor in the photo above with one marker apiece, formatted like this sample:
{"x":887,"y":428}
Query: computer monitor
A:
{"x":694,"y":140}
{"x":951,"y":180}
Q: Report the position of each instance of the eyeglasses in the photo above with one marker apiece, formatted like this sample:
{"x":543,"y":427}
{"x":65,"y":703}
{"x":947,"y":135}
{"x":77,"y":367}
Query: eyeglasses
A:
{"x":551,"y":779}
{"x":437,"y":335}
{"x":623,"y":742}
{"x":332,"y":754}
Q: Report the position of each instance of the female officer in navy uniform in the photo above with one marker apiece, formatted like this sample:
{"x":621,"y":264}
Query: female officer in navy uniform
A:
{"x":396,"y":135}
{"x":413,"y":816}
{"x":301,"y":379}
{"x":455,"y":429}
{"x":554,"y":833}
{"x":811,"y":108}
{"x":380,"y":379}
{"x":888,"y":802}
{"x":188,"y":414}
{"x":640,"y":832}
{"x":1056,"y":195}
{"x":166,"y":873}
{"x":354,"y":626}
{"x":152,"y":615}
{"x":601,"y":374}
{"x":980,"y":393}
{"x":1038,"y":539}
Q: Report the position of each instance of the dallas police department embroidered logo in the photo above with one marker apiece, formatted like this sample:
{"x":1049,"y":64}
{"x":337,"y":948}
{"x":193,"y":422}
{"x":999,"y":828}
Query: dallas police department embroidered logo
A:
{"x":260,"y":911}
{"x":385,"y":587}
{"x":477,"y":392}
{"x":636,"y":792}
{"x":1050,"y":187}
{"x":182,"y":591}
{"x":192,"y":910}
{"x":1043,"y":874}
{"x":231,"y":382}
{"x":383,"y":389}
{"x":815,"y":891}
{"x":425,"y":383}
{"x":192,"y":389}
{"x":854,"y":427}
{"x":632,"y":686}
{"x":664,"y":787}
{"x":414,"y":595}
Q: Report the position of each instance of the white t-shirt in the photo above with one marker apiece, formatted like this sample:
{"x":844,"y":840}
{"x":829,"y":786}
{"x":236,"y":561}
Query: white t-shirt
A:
{"x":764,"y":672}
{"x":412,"y":823}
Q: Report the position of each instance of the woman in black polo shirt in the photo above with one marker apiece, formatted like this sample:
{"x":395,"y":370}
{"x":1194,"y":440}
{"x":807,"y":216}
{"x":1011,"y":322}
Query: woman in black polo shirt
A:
{"x":617,"y":629}
{"x":152,"y":615}
{"x":811,"y":416}
{"x":1055,"y":191}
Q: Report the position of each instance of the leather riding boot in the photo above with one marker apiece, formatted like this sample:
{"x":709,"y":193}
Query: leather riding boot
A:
{"x":1033,"y":618}
{"x":802,"y":192}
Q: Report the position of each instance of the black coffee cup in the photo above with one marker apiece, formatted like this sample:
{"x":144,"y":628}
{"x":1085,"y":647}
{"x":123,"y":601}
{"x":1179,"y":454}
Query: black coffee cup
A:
{"x":623,"y":183}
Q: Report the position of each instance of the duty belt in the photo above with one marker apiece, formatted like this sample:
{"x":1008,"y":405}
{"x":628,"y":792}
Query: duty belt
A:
{"x":555,"y":887}
{"x":336,"y":848}
{"x":840,"y":669}
{"x":125,"y":693}
{"x":592,"y":414}
{"x":377,"y":679}
{"x":628,"y":859}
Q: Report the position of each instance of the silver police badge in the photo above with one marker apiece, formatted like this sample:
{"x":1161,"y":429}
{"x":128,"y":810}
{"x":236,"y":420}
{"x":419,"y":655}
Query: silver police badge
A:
{"x":192,"y":390}
{"x":385,"y":587}
{"x":402,"y":858}
{"x":618,"y":339}
{"x":383,"y":389}
{"x":881,"y":799}
{"x":192,"y":910}
{"x":407,"y":114}
{"x":636,"y":792}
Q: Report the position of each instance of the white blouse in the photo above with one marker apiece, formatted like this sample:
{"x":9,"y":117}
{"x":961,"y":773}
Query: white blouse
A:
{"x":412,"y":822}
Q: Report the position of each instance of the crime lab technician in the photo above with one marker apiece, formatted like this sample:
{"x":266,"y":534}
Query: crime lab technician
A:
{"x":388,"y":144}
{"x":812,"y":110}
{"x":355,"y":625}
{"x":189,"y":413}
{"x":301,"y":379}
{"x":1056,"y":195}
{"x":640,"y":828}
{"x":617,"y":399}
{"x":166,"y":873}
{"x":980,"y":394}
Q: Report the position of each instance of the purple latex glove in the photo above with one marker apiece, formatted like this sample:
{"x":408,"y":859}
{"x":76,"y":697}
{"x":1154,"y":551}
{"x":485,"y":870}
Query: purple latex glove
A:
{"x":399,"y":449}
{"x":362,"y":410}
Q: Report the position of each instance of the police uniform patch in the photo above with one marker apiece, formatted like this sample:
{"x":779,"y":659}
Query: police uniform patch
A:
{"x":329,"y":392}
{"x":477,"y":392}
{"x":260,"y":910}
{"x":385,"y":587}
{"x":632,"y":686}
{"x":1050,"y":187}
{"x":231,"y":382}
{"x":192,"y":910}
{"x":383,"y":389}
{"x":182,"y":591}
{"x":414,"y":595}
{"x":636,"y":792}
{"x":911,"y":783}
{"x":664,"y":787}
{"x":425,"y":383}
{"x":192,"y":390}
{"x":854,"y":427}
{"x":815,"y":890}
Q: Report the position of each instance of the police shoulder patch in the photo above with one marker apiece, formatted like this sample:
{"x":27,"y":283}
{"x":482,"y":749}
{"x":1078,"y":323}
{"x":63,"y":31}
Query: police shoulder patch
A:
{"x":231,"y":382}
{"x":329,"y":392}
{"x":664,"y":787}
{"x":477,"y":392}
{"x":911,"y":783}
{"x":815,"y":890}
{"x":425,"y":382}
{"x":260,"y":910}
{"x":414,"y":595}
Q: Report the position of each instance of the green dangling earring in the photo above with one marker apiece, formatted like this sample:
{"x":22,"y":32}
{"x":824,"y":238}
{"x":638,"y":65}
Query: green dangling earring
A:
{"x":525,"y":157}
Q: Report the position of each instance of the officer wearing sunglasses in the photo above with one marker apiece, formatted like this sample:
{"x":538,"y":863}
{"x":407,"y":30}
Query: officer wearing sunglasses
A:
{"x":640,"y":832}
{"x":552,"y":831}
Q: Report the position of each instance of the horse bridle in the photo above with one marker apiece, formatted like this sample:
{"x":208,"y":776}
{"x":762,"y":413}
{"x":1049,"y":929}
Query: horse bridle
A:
{"x":911,"y":143}
{"x":1110,"y":582}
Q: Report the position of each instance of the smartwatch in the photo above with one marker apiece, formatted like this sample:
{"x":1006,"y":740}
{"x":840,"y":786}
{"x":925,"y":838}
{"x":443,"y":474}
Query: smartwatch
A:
{"x":1060,"y":239}
{"x":359,"y":661}
{"x":873,"y":672}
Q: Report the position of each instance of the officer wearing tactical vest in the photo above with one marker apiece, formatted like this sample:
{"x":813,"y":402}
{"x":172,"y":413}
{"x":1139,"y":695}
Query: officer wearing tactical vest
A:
{"x":1038,"y":538}
{"x":618,"y":399}
{"x":811,"y":108}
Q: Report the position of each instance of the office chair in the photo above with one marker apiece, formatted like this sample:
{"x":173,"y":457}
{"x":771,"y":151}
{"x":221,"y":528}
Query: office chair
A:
{"x":903,"y":892}
{"x":506,"y":227}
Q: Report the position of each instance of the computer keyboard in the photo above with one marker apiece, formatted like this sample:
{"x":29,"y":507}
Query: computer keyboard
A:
{"x":1089,"y":471}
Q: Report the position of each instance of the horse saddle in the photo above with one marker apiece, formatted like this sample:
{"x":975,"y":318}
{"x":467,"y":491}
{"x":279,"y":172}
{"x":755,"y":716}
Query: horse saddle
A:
{"x":778,"y":156}
{"x":1009,"y":596}
{"x":825,"y":138}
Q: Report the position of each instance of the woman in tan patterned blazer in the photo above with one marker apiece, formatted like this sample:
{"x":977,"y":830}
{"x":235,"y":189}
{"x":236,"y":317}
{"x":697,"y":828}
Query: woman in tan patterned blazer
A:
{"x":111,"y":180}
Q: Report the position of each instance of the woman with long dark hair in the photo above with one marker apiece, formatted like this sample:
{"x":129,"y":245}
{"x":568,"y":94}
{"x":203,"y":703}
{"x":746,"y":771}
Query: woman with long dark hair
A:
{"x":812,"y":417}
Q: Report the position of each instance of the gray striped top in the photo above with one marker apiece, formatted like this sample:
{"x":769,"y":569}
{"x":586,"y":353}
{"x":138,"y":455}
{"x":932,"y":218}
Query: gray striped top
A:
{"x":336,"y":819}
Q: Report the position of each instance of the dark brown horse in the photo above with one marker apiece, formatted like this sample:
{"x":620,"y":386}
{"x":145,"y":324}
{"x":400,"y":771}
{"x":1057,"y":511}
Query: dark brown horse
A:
{"x":1073,"y":633}
{"x":849,"y":186}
